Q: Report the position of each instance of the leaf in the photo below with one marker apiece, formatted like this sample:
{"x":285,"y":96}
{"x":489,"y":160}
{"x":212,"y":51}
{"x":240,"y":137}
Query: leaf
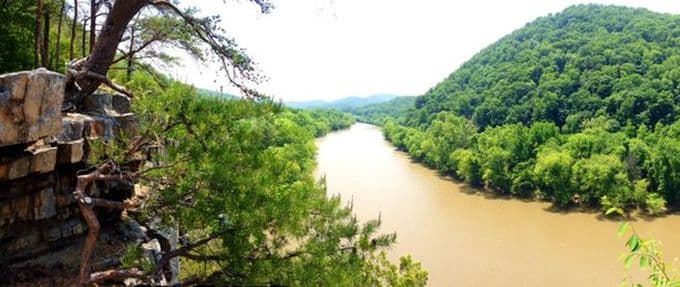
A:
{"x":644,"y":261}
{"x":623,"y":227}
{"x":628,"y":261}
{"x":611,"y":210}
{"x":633,"y":243}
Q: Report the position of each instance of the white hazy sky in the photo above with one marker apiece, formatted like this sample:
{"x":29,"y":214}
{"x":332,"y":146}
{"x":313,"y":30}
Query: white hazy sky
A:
{"x":329,"y":49}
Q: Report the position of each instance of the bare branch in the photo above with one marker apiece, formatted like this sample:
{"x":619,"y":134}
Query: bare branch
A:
{"x":211,"y":39}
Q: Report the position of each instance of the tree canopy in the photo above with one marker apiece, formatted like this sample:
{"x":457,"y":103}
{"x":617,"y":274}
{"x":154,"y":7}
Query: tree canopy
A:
{"x":584,"y":62}
{"x":580,"y":108}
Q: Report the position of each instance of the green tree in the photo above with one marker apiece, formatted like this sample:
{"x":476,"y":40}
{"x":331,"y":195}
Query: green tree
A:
{"x":553,"y":172}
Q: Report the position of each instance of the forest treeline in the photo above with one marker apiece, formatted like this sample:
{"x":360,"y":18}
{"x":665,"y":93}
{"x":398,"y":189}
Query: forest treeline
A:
{"x":377,"y":113}
{"x":47,"y":33}
{"x":580,"y":107}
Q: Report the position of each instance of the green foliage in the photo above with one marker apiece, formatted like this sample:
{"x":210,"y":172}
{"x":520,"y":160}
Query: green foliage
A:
{"x":648,"y":255}
{"x":16,"y":35}
{"x":135,"y":257}
{"x":553,"y":174}
{"x":378,"y":113}
{"x":244,"y":170}
{"x":655,"y":204}
{"x":18,"y":31}
{"x":600,"y":175}
{"x":467,"y":166}
{"x":567,"y":68}
{"x":408,"y":274}
{"x":577,"y":107}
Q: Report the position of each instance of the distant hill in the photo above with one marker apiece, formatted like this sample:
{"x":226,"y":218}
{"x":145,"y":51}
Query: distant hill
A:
{"x":376,"y":113}
{"x":342,"y":104}
{"x":568,"y":68}
{"x":581,"y":107}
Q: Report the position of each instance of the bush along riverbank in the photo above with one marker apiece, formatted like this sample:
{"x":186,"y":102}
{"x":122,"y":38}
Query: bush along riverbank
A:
{"x":633,"y":168}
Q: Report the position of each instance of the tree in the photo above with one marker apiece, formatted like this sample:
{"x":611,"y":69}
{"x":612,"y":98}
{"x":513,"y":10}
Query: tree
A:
{"x":148,"y":34}
{"x":601,"y":175}
{"x":57,"y":53}
{"x":38,"y":33}
{"x":553,"y":175}
{"x":87,"y":74}
{"x":17,"y":38}
{"x":45,"y":46}
{"x":468,"y":166}
{"x":73,"y":31}
{"x":236,"y":177}
{"x":448,"y":133}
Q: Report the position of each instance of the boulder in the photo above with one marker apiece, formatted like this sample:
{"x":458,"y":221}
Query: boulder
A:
{"x":30,"y":106}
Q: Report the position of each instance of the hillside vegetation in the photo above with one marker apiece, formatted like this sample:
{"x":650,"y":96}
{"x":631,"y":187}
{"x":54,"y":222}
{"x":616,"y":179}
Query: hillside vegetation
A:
{"x":584,"y":62}
{"x":376,"y":113}
{"x":248,"y":168}
{"x":579,"y":107}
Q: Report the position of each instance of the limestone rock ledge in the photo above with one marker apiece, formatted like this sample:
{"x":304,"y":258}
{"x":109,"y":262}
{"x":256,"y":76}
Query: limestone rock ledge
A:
{"x":41,"y":152}
{"x":30,"y":106}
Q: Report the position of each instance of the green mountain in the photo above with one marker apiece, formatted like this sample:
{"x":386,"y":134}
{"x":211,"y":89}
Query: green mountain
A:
{"x":584,"y":62}
{"x":579,"y":108}
{"x":342,"y":104}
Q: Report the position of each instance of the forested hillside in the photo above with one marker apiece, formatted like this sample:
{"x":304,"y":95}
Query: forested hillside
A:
{"x":376,"y":113}
{"x":578,"y":107}
{"x":584,"y":62}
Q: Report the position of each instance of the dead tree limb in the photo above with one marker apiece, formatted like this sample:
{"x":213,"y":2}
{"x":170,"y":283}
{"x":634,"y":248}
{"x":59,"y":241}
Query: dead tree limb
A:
{"x":86,"y":205}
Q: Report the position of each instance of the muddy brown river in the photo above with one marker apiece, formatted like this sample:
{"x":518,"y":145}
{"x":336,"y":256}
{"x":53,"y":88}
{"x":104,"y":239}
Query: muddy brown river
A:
{"x":467,"y":238}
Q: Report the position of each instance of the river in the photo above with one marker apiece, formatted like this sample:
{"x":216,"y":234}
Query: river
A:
{"x":469,"y":238}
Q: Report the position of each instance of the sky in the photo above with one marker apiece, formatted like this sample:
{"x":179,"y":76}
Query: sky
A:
{"x":330,"y":49}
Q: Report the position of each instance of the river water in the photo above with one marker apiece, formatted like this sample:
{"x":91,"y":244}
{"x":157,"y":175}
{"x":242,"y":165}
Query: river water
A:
{"x":467,"y":238}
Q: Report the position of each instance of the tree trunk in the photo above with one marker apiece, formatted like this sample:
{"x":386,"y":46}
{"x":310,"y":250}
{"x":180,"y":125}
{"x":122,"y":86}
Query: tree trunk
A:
{"x":46,"y":39}
{"x":106,"y":45}
{"x":130,"y":52}
{"x":38,"y":32}
{"x":58,"y":47}
{"x":93,"y":23}
{"x":83,"y":46}
{"x":73,"y":30}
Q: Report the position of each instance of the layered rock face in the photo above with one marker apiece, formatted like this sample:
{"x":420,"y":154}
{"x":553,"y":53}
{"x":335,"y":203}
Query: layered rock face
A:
{"x":42,"y":150}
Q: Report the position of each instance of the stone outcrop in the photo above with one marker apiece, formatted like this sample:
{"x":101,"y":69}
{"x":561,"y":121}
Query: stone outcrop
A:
{"x":30,"y":106}
{"x":41,"y":152}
